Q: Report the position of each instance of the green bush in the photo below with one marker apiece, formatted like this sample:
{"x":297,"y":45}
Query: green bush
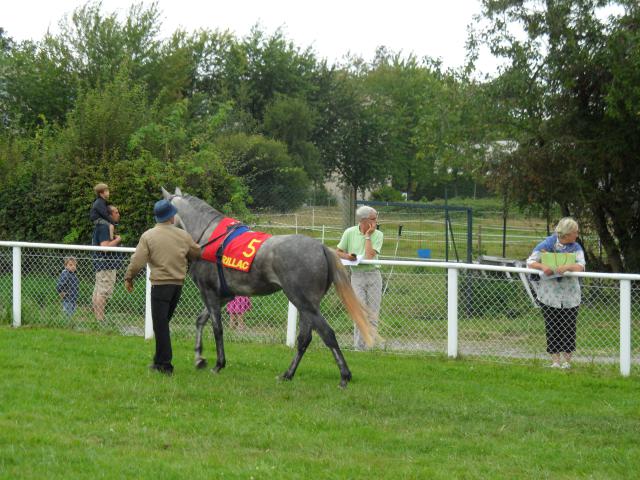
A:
{"x":387,"y":194}
{"x":274,"y":181}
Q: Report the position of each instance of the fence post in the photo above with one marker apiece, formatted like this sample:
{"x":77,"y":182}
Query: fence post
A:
{"x":17,"y":286}
{"x":292,"y":318}
{"x":148,"y":321}
{"x":452,"y":312}
{"x":469,"y":236}
{"x":625,"y":327}
{"x":446,"y":227}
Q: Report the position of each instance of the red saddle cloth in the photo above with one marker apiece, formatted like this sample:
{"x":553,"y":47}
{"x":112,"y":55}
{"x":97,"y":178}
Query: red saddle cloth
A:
{"x":240,"y":251}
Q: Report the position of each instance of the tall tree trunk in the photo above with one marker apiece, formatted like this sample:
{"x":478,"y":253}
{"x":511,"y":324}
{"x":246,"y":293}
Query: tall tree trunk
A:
{"x":623,"y":221}
{"x":608,"y":243}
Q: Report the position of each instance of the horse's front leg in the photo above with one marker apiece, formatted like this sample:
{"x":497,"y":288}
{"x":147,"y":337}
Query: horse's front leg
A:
{"x":200,"y":361}
{"x":217,"y":334}
{"x":213,"y":310}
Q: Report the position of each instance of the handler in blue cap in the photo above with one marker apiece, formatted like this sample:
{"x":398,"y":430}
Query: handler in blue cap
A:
{"x":167,"y":250}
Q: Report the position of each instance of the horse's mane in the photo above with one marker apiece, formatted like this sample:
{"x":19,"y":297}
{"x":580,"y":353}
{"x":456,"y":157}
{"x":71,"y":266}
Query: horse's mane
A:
{"x":202,"y":207}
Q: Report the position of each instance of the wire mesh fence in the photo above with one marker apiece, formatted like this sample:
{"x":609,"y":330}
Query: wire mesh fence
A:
{"x":409,"y":232}
{"x":499,"y":317}
{"x":425,"y":231}
{"x":413,"y":231}
{"x":420,"y":230}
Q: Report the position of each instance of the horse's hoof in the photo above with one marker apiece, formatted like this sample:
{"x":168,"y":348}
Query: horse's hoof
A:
{"x":284,"y":377}
{"x":216,"y":369}
{"x":345,"y":378}
{"x":201,"y":363}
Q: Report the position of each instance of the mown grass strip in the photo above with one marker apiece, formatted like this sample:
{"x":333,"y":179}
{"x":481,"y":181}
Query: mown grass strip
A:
{"x":79,"y":405}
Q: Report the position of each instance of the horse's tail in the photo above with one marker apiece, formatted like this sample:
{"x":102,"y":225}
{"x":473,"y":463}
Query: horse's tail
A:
{"x":359,"y":313}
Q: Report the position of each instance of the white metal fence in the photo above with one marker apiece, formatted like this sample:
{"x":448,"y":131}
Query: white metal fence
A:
{"x":428,"y":307}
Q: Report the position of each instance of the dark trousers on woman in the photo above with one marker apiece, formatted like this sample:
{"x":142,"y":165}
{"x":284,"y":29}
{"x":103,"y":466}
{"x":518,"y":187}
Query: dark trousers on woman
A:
{"x":560,"y":325}
{"x":164,"y":300}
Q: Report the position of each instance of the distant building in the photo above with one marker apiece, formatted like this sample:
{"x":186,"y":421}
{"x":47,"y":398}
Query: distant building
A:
{"x":336,"y":188}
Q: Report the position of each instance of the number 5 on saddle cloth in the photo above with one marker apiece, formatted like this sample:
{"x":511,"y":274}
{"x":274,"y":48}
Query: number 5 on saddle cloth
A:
{"x":232,"y":245}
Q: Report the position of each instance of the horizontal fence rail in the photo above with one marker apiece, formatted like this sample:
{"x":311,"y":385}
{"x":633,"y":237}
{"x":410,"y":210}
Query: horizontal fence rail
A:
{"x":432,"y":307}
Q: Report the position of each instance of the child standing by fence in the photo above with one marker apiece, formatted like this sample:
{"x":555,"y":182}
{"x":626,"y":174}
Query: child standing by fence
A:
{"x":236,"y":309}
{"x":68,"y":286}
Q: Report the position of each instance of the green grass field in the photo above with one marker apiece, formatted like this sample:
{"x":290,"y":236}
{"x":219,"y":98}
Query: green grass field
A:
{"x":79,"y":405}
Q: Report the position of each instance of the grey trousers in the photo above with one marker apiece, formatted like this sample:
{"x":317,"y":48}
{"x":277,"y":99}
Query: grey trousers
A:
{"x":368,"y":289}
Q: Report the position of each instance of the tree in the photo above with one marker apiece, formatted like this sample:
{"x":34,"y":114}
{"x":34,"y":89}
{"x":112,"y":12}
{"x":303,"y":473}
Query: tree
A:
{"x":275,"y":65}
{"x":99,"y":45}
{"x":266,"y":168}
{"x":401,"y":84}
{"x":104,"y":120}
{"x":38,"y":84}
{"x":292,"y":121}
{"x":220,"y":68}
{"x":6,"y":45}
{"x":354,"y":134}
{"x":571,"y":91}
{"x":6,"y":42}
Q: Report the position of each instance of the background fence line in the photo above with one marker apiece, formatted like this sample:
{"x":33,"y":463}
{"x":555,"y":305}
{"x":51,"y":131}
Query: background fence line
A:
{"x":429,"y":307}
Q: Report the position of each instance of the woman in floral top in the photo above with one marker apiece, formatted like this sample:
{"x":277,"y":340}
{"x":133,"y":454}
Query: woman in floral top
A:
{"x":559,"y":296}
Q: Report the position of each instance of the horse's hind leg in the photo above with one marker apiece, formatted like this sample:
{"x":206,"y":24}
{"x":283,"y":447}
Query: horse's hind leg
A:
{"x":304,"y":339}
{"x":201,"y":362}
{"x":329,"y":338}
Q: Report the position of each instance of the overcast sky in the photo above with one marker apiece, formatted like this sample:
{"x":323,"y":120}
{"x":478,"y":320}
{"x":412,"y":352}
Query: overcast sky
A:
{"x":435,"y":28}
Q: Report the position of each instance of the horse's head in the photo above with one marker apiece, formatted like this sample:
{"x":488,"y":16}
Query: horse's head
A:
{"x":194,"y":215}
{"x":172,"y":197}
{"x":169,"y":196}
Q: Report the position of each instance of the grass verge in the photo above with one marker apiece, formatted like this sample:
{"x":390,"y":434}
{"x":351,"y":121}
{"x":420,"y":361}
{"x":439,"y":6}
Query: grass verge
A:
{"x":79,"y":405}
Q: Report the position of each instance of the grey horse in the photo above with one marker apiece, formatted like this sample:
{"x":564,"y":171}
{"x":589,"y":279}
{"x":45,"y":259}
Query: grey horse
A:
{"x":299,"y":265}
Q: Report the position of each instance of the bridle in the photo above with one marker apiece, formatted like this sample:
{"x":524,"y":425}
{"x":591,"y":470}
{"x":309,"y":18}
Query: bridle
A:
{"x":206,"y":227}
{"x":204,"y":230}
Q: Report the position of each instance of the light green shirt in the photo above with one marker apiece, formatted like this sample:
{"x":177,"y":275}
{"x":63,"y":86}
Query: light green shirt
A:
{"x":352,"y":241}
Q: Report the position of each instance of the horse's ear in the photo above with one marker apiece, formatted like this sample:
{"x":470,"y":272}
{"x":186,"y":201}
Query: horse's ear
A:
{"x":165,"y":194}
{"x":178,"y":192}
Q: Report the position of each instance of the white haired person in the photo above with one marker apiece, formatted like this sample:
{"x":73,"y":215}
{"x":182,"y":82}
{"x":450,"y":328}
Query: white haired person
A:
{"x":559,"y":296}
{"x":364,"y":239}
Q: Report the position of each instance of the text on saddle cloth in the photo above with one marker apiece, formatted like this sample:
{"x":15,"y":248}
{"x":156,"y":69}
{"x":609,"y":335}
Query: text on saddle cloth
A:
{"x":234,"y":244}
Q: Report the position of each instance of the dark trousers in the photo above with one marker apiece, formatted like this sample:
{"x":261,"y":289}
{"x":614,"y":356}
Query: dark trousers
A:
{"x":164,"y":299}
{"x":560,"y":325}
